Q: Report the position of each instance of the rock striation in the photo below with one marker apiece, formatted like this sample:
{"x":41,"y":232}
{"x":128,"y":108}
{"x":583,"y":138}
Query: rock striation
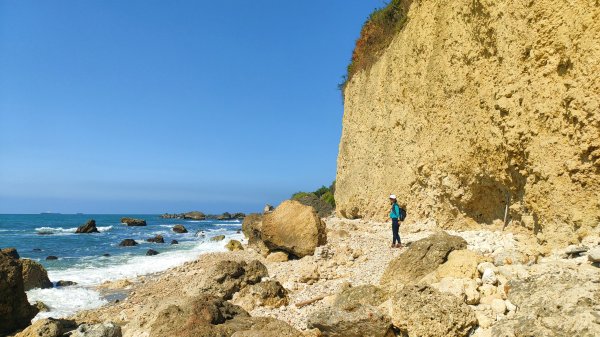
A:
{"x":477,"y":107}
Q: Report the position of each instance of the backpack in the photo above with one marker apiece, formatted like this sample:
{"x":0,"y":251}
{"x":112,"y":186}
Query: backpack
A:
{"x":402,"y":214}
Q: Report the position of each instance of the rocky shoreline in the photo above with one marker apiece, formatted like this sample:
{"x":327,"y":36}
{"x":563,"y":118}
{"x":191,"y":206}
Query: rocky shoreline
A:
{"x":477,"y":283}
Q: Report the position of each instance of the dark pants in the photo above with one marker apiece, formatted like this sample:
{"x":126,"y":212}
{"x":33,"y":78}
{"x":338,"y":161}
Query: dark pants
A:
{"x":395,"y":230}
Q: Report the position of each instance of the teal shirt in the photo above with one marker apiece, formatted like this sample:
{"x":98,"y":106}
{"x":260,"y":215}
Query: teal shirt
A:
{"x":395,"y":212}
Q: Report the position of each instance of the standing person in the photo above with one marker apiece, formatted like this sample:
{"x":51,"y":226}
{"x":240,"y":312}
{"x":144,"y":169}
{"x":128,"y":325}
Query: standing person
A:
{"x":395,"y":215}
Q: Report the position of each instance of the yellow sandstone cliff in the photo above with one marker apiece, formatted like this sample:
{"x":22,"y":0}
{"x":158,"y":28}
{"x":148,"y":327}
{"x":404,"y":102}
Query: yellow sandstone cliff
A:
{"x":474,"y":102}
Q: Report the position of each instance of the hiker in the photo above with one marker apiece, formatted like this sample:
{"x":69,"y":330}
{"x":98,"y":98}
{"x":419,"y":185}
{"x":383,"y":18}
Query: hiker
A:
{"x":397,"y":215}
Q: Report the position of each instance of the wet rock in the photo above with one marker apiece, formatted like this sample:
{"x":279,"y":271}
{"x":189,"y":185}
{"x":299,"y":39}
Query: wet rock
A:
{"x":41,"y":306}
{"x":156,"y":239}
{"x":151,"y":252}
{"x":12,"y":252}
{"x":294,"y":228}
{"x":234,"y":245}
{"x":133,"y":222}
{"x":419,"y":310}
{"x":16,"y":312}
{"x":107,"y":329}
{"x":89,"y":227}
{"x":128,"y":243}
{"x":34,"y":275}
{"x":51,"y":258}
{"x":421,"y":258}
{"x":174,"y":242}
{"x":48,"y":327}
{"x":63,"y":283}
{"x":218,"y":238}
{"x":179,"y":229}
{"x":106,"y":255}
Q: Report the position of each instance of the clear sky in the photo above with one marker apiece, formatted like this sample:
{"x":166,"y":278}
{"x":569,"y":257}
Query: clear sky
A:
{"x":164,"y":106}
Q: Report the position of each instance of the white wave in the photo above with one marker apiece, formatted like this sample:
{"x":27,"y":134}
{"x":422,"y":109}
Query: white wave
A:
{"x":60,"y":230}
{"x":65,"y":301}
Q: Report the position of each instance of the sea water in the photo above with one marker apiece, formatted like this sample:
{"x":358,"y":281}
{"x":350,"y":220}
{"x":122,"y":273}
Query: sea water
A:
{"x":81,"y":256}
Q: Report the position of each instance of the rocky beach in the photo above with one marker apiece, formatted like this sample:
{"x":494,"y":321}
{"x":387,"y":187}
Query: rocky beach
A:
{"x":484,"y":282}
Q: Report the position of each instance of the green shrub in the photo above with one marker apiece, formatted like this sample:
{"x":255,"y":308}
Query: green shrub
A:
{"x":375,"y":36}
{"x":298,"y":195}
{"x":323,"y":193}
{"x":328,"y":198}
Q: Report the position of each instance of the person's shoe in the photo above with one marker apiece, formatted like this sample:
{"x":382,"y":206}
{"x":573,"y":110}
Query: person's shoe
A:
{"x":399,"y":245}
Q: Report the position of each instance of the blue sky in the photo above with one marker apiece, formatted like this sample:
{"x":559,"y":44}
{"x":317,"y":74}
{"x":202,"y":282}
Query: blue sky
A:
{"x":154,"y":106}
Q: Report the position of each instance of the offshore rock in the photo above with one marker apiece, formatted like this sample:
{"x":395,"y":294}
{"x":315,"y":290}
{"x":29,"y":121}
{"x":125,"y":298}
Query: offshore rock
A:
{"x":89,"y":227}
{"x":179,"y":229}
{"x":133,"y":222}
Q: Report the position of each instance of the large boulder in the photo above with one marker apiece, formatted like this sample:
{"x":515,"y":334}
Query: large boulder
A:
{"x":460,"y":264}
{"x":420,"y":310}
{"x":355,"y":312}
{"x":251,"y":227}
{"x":264,"y":294}
{"x":107,"y":329}
{"x":15,"y":310}
{"x":133,"y":222}
{"x":294,"y":228}
{"x":211,"y":316}
{"x":555,"y":301}
{"x":421,"y":258}
{"x":179,"y":229}
{"x":48,"y":327}
{"x":89,"y":227}
{"x":225,"y":278}
{"x":34,"y":275}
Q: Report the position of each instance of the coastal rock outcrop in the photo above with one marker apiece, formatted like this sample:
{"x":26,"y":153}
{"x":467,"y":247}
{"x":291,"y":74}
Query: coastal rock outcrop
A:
{"x":106,"y":329}
{"x":48,"y":327}
{"x":34,"y":275}
{"x":12,"y":252}
{"x":265,"y":294}
{"x":179,"y":229}
{"x":294,"y":228}
{"x":194,"y":215}
{"x":133,"y":222}
{"x":128,"y":243}
{"x":421,"y":258}
{"x":15,"y":310}
{"x":88,"y":227}
{"x":475,"y":108}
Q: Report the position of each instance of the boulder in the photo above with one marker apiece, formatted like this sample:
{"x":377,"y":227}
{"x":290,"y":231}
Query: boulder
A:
{"x":89,"y":227}
{"x":594,"y":254}
{"x":251,"y":227}
{"x":234,"y":245}
{"x":264,"y":294}
{"x":41,"y":306}
{"x":63,"y":283}
{"x":15,"y":311}
{"x":208,"y":315}
{"x":227,"y":277}
{"x":294,"y":228}
{"x":557,"y":301}
{"x":460,"y":264}
{"x":421,"y":258}
{"x":48,"y":327}
{"x":278,"y":257}
{"x":128,"y":243}
{"x":420,"y":310}
{"x":174,"y":242}
{"x":107,"y":329}
{"x":156,"y":239}
{"x":133,"y":222}
{"x":179,"y":229}
{"x":34,"y":275}
{"x":12,"y":252}
{"x":218,"y":238}
{"x":151,"y":252}
{"x":354,"y":313}
{"x":51,"y":258}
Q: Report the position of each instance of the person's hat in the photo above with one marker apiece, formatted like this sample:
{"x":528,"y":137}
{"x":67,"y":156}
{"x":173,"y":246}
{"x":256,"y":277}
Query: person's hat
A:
{"x":393,"y":196}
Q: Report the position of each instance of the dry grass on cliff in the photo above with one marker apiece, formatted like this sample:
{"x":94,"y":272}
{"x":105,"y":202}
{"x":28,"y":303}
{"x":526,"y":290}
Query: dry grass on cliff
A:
{"x":376,"y":35}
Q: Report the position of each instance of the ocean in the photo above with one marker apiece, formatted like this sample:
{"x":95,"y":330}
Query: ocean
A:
{"x":81,"y":256}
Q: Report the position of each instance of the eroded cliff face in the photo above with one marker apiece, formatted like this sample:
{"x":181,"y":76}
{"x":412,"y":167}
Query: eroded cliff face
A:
{"x":475,"y":102}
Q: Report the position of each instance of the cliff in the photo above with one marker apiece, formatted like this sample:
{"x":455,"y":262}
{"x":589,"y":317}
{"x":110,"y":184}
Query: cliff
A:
{"x":476,"y":103}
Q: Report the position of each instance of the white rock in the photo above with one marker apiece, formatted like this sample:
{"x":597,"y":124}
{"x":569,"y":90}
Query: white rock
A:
{"x":486,"y":265}
{"x":498,"y":306}
{"x":489,"y":277}
{"x":510,"y":306}
{"x":483,"y":320}
{"x":594,"y":254}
